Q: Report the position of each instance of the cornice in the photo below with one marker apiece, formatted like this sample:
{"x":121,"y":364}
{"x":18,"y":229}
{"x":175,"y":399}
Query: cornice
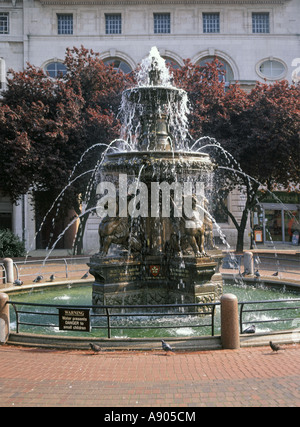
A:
{"x":156,"y":2}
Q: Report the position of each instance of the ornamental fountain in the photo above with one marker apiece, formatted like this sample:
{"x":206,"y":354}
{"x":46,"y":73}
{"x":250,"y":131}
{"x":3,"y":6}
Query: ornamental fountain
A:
{"x":155,"y":234}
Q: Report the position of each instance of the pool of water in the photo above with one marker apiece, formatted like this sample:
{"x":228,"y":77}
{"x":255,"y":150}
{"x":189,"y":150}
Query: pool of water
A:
{"x":179,"y":324}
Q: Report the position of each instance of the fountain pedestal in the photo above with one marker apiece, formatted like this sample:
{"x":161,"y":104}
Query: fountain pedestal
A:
{"x":156,"y":280}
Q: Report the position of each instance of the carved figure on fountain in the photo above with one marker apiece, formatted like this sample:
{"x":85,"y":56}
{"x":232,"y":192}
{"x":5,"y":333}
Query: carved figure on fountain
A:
{"x":122,"y":231}
{"x":193,"y":235}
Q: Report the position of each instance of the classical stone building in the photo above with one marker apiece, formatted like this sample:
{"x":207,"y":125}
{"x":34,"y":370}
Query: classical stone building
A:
{"x":254,"y":39}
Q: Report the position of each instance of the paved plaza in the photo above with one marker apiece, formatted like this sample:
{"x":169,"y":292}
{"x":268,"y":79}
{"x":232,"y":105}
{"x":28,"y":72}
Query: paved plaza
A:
{"x":247,"y":377}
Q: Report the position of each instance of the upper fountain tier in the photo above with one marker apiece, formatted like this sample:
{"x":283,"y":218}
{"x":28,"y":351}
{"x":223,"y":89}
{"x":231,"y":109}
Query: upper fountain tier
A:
{"x":155,"y":112}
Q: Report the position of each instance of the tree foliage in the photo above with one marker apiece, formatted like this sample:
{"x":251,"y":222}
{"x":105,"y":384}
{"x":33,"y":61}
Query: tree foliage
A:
{"x":47,"y":124}
{"x":257,"y":133}
{"x":10,"y":245}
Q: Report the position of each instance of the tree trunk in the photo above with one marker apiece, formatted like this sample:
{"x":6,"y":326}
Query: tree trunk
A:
{"x":241,"y":231}
{"x":251,"y":192}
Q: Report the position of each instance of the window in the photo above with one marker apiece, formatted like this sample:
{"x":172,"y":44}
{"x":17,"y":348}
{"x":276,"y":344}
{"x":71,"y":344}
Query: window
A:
{"x":55,"y":69}
{"x":162,"y":23}
{"x":228,"y":76}
{"x":113,"y":24}
{"x":172,"y":63}
{"x":65,"y":24}
{"x":5,"y":220}
{"x":211,"y":22}
{"x":272,"y":69}
{"x":118,"y":65}
{"x":260,"y":23}
{"x":4,"y":23}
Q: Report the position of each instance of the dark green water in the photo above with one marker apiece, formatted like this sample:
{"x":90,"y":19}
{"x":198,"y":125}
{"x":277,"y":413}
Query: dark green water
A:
{"x":177,"y":325}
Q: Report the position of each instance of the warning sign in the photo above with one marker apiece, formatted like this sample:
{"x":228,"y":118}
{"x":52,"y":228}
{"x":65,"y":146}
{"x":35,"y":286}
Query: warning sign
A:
{"x":74,"y":320}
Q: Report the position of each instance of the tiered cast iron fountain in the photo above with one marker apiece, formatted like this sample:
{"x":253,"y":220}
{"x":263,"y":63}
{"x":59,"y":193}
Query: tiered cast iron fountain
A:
{"x":156,"y":244}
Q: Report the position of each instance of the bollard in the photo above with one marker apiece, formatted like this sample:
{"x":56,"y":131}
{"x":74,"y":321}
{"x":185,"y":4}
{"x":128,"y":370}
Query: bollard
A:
{"x":248,"y":263}
{"x":4,"y":318}
{"x":230,"y":334}
{"x":9,"y":269}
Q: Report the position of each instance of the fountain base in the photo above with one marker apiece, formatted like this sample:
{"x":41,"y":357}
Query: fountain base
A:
{"x":156,"y":280}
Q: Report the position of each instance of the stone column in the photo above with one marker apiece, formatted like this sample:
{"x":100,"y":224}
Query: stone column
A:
{"x":230,"y":334}
{"x":4,"y":318}
{"x":248,"y":263}
{"x":9,"y":270}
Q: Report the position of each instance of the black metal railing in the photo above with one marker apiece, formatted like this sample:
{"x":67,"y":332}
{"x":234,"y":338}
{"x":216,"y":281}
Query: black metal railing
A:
{"x":109,"y":312}
{"x":60,"y":267}
{"x":275,"y":263}
{"x":267,"y":309}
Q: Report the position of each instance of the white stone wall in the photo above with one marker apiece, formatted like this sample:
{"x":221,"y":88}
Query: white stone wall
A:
{"x":23,"y":221}
{"x":33,"y":32}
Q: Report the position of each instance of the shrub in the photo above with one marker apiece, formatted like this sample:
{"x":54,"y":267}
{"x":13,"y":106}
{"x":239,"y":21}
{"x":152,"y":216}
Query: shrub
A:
{"x":11,"y":245}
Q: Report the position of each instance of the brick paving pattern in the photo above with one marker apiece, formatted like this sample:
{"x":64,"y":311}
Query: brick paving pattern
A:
{"x":245,"y":377}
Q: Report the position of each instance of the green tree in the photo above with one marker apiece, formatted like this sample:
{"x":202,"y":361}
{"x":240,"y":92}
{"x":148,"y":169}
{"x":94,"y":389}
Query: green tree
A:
{"x":10,"y":245}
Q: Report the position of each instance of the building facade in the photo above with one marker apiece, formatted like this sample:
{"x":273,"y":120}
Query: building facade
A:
{"x":256,"y":40}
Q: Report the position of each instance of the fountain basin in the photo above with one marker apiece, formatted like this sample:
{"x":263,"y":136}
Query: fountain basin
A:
{"x":154,"y":95}
{"x":184,"y":338}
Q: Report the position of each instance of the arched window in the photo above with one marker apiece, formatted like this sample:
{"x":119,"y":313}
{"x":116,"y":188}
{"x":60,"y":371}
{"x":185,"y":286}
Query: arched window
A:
{"x":55,"y":69}
{"x":118,"y":64}
{"x":171,"y":62}
{"x":228,"y":76}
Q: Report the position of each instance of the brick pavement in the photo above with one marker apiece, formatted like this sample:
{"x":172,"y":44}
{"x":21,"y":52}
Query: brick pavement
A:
{"x":246,"y":377}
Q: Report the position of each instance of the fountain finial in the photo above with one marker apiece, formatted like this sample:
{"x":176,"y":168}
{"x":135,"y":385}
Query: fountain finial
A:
{"x":153,"y":70}
{"x":154,"y":73}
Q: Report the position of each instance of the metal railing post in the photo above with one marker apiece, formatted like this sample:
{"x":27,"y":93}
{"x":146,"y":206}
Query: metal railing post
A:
{"x":213,"y":321}
{"x":241,"y":317}
{"x":66,"y":264}
{"x":108,"y":323}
